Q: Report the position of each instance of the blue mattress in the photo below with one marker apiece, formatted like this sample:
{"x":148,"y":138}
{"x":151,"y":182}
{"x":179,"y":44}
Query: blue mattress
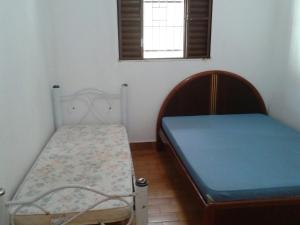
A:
{"x":237,"y":157}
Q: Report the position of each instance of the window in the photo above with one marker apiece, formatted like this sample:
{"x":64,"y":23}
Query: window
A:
{"x":164,"y":28}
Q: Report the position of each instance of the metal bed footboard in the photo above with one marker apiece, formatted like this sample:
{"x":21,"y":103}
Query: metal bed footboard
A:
{"x":140,"y":196}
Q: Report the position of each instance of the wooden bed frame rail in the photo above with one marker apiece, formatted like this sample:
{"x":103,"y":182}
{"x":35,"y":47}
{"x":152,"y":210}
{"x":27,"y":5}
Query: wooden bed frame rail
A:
{"x":221,"y":92}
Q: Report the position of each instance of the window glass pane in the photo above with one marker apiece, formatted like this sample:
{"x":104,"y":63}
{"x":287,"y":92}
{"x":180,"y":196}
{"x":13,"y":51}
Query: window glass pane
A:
{"x":163,"y":28}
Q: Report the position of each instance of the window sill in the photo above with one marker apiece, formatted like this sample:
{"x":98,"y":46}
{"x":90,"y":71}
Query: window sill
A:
{"x":164,"y":60}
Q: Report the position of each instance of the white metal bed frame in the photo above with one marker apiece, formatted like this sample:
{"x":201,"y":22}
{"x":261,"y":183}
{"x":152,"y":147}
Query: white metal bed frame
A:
{"x":90,"y":96}
{"x":140,"y":186}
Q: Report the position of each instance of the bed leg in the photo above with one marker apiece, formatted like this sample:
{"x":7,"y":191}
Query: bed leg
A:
{"x":141,"y":201}
{"x":159,"y":144}
{"x":208,"y":217}
{"x":3,"y":214}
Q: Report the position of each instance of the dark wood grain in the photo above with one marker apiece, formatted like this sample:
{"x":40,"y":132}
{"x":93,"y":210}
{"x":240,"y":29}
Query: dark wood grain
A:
{"x":193,"y":96}
{"x":229,"y":94}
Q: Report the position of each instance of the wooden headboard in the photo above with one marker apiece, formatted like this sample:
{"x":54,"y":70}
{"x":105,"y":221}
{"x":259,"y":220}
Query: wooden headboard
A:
{"x":212,"y":92}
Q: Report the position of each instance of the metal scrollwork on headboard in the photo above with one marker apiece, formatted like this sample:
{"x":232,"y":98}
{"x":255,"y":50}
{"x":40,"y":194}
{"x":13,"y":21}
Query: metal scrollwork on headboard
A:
{"x":88,"y":99}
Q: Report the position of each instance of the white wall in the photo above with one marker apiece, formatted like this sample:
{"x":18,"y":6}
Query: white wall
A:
{"x":286,"y":97}
{"x":86,"y":50}
{"x":26,"y":117}
{"x":74,"y":43}
{"x":292,"y":86}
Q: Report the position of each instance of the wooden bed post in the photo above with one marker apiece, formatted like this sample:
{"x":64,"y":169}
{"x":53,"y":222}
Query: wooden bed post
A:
{"x":159,"y":144}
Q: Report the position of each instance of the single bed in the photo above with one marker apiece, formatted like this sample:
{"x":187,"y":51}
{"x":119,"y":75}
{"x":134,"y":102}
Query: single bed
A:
{"x":242,"y":164}
{"x":84,"y":175}
{"x":86,"y":156}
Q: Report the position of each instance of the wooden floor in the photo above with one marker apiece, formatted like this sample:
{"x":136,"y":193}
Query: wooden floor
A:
{"x":171,"y":202}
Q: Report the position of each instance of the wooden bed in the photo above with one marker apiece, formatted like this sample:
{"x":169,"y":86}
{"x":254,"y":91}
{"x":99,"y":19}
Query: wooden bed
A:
{"x":221,"y":92}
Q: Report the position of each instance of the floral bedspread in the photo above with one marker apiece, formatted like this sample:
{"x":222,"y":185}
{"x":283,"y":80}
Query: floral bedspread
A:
{"x":96,"y":156}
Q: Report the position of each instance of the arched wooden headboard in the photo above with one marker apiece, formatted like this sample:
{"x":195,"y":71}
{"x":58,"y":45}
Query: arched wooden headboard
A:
{"x":212,"y":92}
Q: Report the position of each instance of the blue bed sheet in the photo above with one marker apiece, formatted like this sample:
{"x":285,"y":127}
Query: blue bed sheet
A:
{"x":237,"y":157}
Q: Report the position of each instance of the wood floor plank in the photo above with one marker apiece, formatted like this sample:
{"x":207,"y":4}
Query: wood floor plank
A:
{"x":170,"y":200}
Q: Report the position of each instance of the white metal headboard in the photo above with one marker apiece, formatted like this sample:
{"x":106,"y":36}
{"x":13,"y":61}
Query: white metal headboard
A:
{"x":89,"y":96}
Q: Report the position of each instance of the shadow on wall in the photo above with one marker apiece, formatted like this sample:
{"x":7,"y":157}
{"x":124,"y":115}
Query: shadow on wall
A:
{"x":294,"y":50}
{"x":287,"y":107}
